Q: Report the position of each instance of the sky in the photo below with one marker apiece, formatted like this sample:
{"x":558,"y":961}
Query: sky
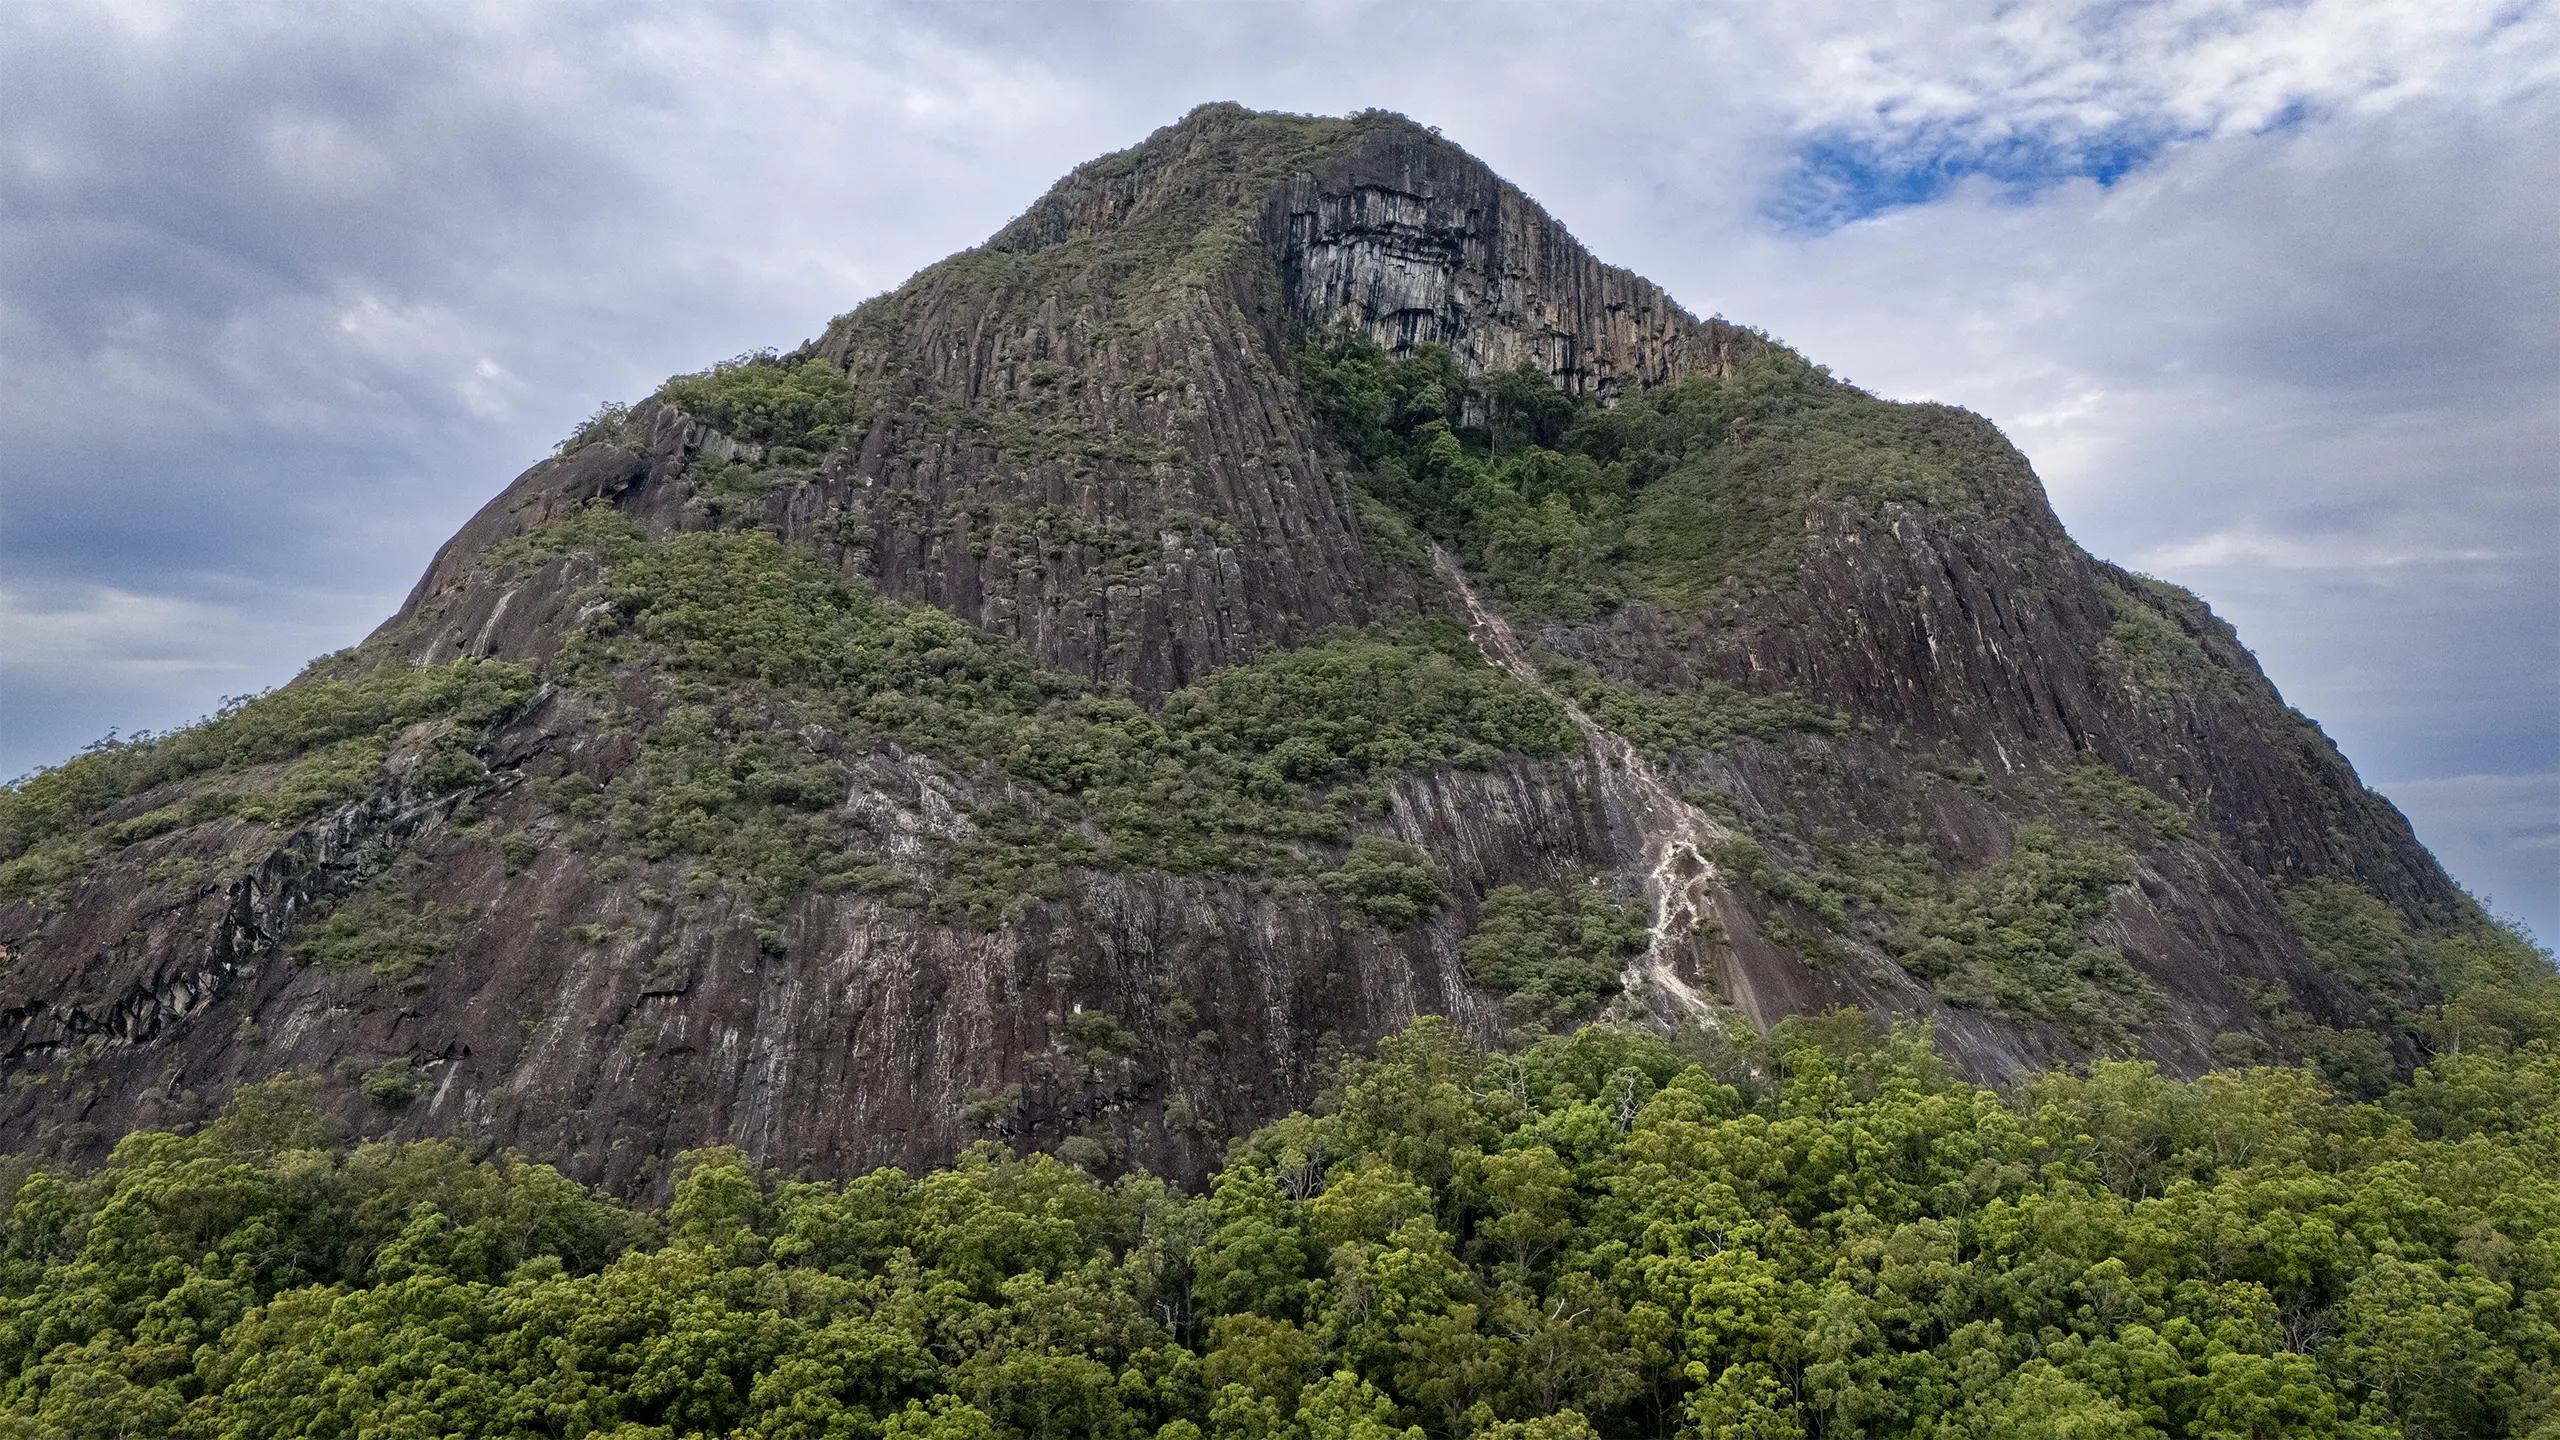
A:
{"x":2268,"y":292}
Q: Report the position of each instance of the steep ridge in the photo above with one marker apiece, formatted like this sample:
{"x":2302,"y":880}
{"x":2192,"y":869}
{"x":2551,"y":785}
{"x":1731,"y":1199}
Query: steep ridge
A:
{"x":676,"y":808}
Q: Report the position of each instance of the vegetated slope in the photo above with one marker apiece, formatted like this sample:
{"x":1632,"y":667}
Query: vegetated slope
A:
{"x":1036,"y":710}
{"x":1823,"y":1234}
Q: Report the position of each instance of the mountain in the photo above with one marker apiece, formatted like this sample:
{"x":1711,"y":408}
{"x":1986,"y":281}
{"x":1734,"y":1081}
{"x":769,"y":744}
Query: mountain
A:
{"x":1280,"y":585}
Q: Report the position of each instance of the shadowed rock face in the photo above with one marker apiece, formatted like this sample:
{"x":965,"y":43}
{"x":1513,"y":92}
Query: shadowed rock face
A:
{"x":1088,"y":436}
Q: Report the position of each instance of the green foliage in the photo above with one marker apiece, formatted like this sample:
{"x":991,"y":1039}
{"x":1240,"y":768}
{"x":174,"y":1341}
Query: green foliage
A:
{"x":2472,"y":983}
{"x":383,"y":930}
{"x":48,"y":866}
{"x":796,"y":407}
{"x":1711,"y":717}
{"x":392,"y":1084}
{"x":1563,"y":509}
{"x":2121,"y":805}
{"x":1543,"y":527}
{"x":1610,"y":1233}
{"x":610,"y":426}
{"x":2012,"y":938}
{"x":315,"y":744}
{"x":1098,"y":1037}
{"x":1357,"y":706}
{"x":1537,"y":497}
{"x":517,"y":850}
{"x":1387,"y":883}
{"x":755,"y":806}
{"x":1553,"y":955}
{"x":1728,"y":464}
{"x":786,"y":674}
{"x":2152,"y":645}
{"x":1823,"y":891}
{"x":2496,"y":987}
{"x":2364,"y":944}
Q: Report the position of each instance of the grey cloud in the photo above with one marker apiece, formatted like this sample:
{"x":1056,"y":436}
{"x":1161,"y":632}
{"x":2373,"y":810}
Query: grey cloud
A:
{"x":2501,"y":833}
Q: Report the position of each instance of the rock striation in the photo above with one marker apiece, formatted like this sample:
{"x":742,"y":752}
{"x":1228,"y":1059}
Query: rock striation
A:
{"x":1411,"y":241}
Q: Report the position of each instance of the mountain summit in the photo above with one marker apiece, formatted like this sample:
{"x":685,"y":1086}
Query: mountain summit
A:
{"x":1280,"y":585}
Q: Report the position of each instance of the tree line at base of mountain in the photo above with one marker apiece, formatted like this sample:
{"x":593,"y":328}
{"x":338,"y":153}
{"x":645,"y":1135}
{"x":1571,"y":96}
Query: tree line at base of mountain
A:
{"x":1818,"y":1233}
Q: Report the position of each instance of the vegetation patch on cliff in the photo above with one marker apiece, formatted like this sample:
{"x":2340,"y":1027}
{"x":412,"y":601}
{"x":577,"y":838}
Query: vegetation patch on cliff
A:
{"x":2123,"y":806}
{"x":1553,"y":955}
{"x":2012,"y":938}
{"x":1387,"y":883}
{"x":2152,"y":647}
{"x":2407,"y":988}
{"x":382,"y":929}
{"x":783,"y":673}
{"x":1564,"y":509}
{"x":277,"y":758}
{"x":793,"y":408}
{"x":2365,"y":945}
{"x":1710,"y":717}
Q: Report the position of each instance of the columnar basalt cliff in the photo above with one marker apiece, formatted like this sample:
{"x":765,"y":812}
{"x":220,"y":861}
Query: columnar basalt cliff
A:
{"x":1070,"y":700}
{"x":1411,"y":241}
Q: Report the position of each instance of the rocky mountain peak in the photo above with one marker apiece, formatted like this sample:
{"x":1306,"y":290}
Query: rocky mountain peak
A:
{"x":1280,"y":585}
{"x":1376,"y":223}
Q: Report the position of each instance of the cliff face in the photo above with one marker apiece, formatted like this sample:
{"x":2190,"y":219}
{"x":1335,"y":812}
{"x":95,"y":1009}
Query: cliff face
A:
{"x":526,"y":917}
{"x":1413,"y":242}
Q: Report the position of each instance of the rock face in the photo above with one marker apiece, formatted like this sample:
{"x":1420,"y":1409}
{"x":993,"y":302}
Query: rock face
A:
{"x":1090,"y":437}
{"x":1413,"y":242}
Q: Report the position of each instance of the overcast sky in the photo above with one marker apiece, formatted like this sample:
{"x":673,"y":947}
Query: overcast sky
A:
{"x":2269,"y":293}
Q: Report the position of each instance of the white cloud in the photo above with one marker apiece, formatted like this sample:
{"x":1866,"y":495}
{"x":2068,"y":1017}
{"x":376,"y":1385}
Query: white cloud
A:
{"x":77,"y":661}
{"x":2225,"y":548}
{"x":99,"y":629}
{"x":317,"y":153}
{"x":2196,"y":66}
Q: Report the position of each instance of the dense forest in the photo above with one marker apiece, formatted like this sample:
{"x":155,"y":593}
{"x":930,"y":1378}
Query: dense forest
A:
{"x":1822,"y":1232}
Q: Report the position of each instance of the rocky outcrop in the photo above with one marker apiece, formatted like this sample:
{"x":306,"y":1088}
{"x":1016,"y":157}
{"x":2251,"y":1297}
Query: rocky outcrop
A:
{"x":1986,"y":638}
{"x":182,"y":941}
{"x":1411,"y":240}
{"x":609,"y":1024}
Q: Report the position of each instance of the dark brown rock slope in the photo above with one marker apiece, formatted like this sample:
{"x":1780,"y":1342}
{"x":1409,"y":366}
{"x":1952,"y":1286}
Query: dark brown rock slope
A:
{"x":1089,"y":437}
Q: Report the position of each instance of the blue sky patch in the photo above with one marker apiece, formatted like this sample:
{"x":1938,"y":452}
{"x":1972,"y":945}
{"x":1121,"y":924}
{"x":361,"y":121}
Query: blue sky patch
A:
{"x":1841,"y":177}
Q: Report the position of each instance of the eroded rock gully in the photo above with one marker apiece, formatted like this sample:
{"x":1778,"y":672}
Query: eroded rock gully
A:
{"x":1672,"y":838}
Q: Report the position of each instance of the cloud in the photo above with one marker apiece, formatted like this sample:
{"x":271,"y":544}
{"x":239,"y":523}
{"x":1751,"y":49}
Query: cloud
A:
{"x":2254,"y":548}
{"x":115,"y":635}
{"x":2030,"y":96}
{"x":2500,"y":833}
{"x":98,"y":658}
{"x":2266,"y":290}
